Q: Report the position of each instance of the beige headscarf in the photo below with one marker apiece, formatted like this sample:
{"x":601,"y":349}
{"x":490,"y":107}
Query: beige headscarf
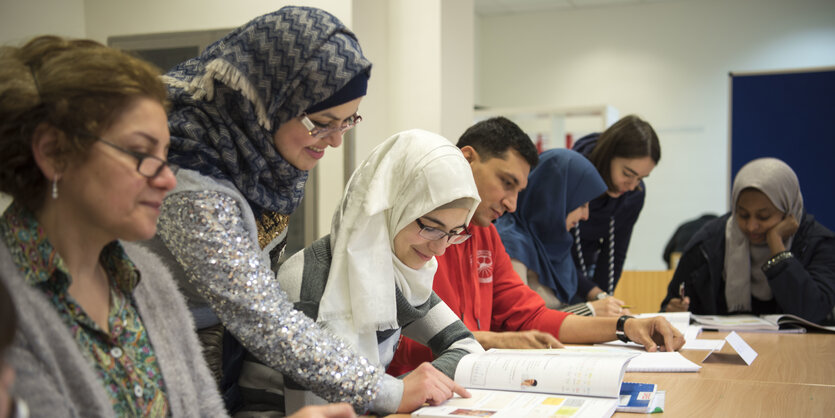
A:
{"x":743,"y":261}
{"x":407,"y":176}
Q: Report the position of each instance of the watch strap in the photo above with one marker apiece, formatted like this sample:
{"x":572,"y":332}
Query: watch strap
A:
{"x":619,"y":332}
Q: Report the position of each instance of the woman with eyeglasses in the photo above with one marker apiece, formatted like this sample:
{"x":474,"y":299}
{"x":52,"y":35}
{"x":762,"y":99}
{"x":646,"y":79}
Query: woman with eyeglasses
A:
{"x":250,"y":116}
{"x":371,"y":279}
{"x":83,"y":143}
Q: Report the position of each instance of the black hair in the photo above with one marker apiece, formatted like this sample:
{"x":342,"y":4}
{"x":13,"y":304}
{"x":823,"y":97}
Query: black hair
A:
{"x":494,"y":137}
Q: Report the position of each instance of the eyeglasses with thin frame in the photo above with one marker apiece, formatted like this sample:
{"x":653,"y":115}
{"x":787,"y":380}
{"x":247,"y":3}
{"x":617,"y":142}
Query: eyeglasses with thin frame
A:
{"x":319,"y":131}
{"x":147,"y":165}
{"x":434,"y":234}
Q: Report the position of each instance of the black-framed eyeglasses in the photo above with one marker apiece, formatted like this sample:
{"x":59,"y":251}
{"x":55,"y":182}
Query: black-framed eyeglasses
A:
{"x":318,"y":130}
{"x":434,"y":234}
{"x":147,"y":165}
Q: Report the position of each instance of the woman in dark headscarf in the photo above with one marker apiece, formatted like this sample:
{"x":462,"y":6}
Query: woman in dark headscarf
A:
{"x":767,"y":256}
{"x":536,"y":235}
{"x":250,"y":117}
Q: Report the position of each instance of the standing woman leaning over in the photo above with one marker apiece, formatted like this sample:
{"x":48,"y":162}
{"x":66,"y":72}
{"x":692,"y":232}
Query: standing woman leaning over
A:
{"x":83,"y":142}
{"x":624,"y":154}
{"x":250,"y":117}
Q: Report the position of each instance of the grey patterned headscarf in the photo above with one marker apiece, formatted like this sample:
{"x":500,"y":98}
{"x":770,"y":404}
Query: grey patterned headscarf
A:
{"x":228,"y":102}
{"x":743,"y":261}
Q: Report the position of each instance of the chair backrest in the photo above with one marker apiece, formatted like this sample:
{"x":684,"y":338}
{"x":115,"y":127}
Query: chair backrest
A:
{"x":643,"y":289}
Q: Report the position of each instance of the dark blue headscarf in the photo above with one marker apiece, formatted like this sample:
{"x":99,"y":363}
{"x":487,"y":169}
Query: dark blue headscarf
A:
{"x":535,"y":234}
{"x":229,"y":101}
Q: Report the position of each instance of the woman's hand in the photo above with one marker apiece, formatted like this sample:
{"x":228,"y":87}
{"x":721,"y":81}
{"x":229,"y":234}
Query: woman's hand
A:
{"x":516,"y":339}
{"x":654,"y":333}
{"x":678,"y":305}
{"x":334,"y":410}
{"x":426,"y":384}
{"x":609,"y":306}
{"x":781,"y":232}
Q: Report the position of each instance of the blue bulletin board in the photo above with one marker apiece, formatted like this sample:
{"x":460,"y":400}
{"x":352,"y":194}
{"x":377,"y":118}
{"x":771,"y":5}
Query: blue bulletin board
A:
{"x":791,"y":116}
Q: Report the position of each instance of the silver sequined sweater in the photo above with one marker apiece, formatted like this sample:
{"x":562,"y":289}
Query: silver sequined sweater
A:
{"x":208,"y":236}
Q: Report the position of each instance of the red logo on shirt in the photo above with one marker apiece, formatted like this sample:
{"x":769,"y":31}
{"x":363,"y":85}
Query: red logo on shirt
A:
{"x":484,"y":258}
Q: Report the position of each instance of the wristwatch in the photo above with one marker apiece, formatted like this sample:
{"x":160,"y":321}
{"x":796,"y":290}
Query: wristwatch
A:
{"x":601,"y":295}
{"x":619,"y":328}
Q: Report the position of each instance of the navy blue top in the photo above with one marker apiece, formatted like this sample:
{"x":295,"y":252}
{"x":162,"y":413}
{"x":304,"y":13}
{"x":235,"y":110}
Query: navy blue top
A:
{"x":594,"y":233}
{"x":803,"y":285}
{"x":535,"y":233}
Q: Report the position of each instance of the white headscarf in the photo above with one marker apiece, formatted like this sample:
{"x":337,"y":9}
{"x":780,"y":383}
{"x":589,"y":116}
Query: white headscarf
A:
{"x":743,"y":261}
{"x":407,"y":176}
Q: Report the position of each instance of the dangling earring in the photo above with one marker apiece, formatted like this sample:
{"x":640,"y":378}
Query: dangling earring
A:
{"x":55,"y":187}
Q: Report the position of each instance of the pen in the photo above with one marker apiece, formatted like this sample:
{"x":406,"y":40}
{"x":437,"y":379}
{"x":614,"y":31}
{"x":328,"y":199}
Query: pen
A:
{"x":626,"y":306}
{"x":681,"y":290}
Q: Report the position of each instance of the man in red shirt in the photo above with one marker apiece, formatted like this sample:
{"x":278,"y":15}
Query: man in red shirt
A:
{"x":475,"y":278}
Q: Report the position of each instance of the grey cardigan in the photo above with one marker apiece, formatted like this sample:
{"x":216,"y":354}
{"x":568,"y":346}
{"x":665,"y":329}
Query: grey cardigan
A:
{"x":55,"y":378}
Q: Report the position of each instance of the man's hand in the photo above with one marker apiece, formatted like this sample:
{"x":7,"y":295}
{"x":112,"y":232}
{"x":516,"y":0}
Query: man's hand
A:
{"x":609,"y":306}
{"x":516,"y":339}
{"x":654,"y":333}
{"x":426,"y":384}
{"x":334,"y":410}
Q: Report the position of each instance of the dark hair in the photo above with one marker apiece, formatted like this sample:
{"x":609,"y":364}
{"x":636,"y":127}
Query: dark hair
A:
{"x":492,"y":138}
{"x":630,"y":137}
{"x":8,"y":318}
{"x":76,"y":86}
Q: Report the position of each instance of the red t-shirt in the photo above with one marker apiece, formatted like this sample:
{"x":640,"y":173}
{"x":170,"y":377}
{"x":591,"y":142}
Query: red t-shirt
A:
{"x":475,"y":278}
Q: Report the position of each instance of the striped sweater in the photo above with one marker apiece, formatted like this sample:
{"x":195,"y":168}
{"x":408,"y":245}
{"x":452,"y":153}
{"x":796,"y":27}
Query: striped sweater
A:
{"x":303,"y":277}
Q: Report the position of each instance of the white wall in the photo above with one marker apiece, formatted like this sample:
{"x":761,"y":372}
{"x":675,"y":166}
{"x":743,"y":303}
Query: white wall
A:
{"x":667,"y":62}
{"x":108,"y":17}
{"x":22,"y":20}
{"x":421,"y":52}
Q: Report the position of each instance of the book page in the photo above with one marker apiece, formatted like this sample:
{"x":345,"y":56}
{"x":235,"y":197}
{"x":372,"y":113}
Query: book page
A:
{"x":734,"y":322}
{"x":556,"y":371}
{"x":500,"y":404}
{"x":794,"y":320}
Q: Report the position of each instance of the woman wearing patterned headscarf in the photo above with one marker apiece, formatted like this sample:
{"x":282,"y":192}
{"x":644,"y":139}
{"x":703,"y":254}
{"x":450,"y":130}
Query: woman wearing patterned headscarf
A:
{"x":536,"y":235}
{"x":767,"y":256}
{"x":250,"y":117}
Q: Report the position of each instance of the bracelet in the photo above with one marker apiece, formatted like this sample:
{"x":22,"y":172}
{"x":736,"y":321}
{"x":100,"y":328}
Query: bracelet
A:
{"x":619,"y":332}
{"x":779,"y":257}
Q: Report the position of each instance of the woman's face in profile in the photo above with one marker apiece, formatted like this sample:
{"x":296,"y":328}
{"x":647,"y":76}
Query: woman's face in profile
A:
{"x":581,"y":213}
{"x":414,"y":250}
{"x":627,"y":173}
{"x":756,"y":215}
{"x":104,"y":193}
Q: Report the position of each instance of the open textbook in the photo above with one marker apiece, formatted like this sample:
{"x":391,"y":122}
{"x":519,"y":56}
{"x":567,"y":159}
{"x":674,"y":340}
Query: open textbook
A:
{"x":537,"y":383}
{"x":764,"y":323}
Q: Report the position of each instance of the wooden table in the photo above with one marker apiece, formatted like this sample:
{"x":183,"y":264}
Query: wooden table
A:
{"x":793,"y":375}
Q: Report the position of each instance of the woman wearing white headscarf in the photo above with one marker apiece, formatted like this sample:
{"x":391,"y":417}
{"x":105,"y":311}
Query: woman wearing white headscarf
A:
{"x":371,"y":278}
{"x":766,"y":256}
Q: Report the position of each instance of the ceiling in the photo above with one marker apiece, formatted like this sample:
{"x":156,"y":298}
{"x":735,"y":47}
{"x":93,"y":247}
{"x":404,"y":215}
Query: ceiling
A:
{"x":500,"y":7}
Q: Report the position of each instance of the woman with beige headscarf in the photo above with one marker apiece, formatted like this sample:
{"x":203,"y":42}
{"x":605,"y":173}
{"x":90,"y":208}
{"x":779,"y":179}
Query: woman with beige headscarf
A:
{"x":767,"y":256}
{"x":371,"y":279}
